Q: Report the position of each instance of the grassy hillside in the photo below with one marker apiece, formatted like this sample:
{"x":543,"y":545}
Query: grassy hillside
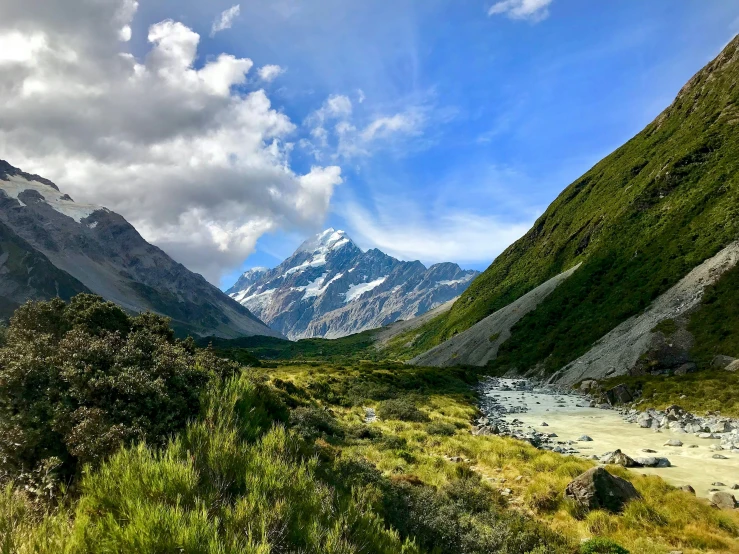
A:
{"x":639,"y":221}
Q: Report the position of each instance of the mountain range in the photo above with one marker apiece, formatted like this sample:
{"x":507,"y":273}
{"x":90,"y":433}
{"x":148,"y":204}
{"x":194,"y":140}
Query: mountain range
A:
{"x":331,"y":288}
{"x":52,"y":246}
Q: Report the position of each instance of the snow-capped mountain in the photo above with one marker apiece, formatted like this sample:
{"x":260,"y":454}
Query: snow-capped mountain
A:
{"x":331,"y":288}
{"x":51,"y":246}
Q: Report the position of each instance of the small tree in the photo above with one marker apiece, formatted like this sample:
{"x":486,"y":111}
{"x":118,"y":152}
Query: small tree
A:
{"x":78,"y":380}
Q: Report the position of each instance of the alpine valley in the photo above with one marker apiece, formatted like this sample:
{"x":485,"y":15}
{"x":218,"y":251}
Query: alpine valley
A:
{"x":330,"y":288}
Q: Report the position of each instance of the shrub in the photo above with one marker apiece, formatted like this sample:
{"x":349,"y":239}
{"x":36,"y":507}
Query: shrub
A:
{"x":79,"y":379}
{"x":401,"y":409}
{"x":441,"y":428}
{"x":311,"y":422}
{"x":600,"y":545}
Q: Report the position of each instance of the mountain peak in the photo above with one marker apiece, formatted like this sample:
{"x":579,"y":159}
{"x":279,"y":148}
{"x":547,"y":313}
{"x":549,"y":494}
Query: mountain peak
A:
{"x":327,"y":240}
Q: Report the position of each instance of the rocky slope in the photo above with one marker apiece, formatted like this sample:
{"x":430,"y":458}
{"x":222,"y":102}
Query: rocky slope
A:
{"x":639,"y":221}
{"x":64,"y":248}
{"x":331,"y":288}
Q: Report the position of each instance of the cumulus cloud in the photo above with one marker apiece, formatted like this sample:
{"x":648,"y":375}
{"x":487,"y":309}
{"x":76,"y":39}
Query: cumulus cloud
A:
{"x":225,"y":20}
{"x":269,"y":73}
{"x":533,"y":10}
{"x":196,"y":162}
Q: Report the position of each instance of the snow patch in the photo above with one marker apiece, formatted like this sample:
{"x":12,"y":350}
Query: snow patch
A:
{"x":464,"y":279}
{"x":258,"y":301}
{"x":16,"y":184}
{"x":355,"y":291}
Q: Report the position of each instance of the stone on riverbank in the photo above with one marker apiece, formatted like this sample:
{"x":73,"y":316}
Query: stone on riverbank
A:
{"x":722,"y":500}
{"x":598,"y":489}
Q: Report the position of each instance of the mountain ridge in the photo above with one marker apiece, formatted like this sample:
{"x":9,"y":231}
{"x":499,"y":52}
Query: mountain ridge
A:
{"x":330,"y":288}
{"x":94,"y":249}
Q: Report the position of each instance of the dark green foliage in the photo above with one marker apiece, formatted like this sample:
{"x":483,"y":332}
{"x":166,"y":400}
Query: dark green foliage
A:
{"x":599,"y":545}
{"x":667,"y":327}
{"x":402,"y":409}
{"x":715,"y":324}
{"x":79,"y":379}
{"x":352,"y":348}
{"x":311,"y":422}
{"x":638,"y":221}
{"x":464,"y":517}
{"x":441,"y":428}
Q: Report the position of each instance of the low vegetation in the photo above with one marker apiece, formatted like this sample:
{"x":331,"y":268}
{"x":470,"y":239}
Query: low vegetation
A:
{"x":281,"y":459}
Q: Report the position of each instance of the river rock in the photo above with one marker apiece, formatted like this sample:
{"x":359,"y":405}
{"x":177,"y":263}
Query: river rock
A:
{"x":688,"y":489}
{"x":621,"y":459}
{"x":644,"y":420}
{"x":585,"y":438}
{"x":674,"y":442}
{"x":620,"y":394}
{"x":653,"y":461}
{"x":719,"y":457}
{"x":596,"y":489}
{"x":722,"y":362}
{"x":723,"y":500}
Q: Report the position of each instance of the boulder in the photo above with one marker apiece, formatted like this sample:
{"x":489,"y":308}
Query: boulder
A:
{"x":653,"y":461}
{"x":598,"y":489}
{"x":621,"y":459}
{"x":674,"y":412}
{"x":585,"y":438}
{"x":686,"y":368}
{"x":688,"y":489}
{"x":723,"y":500}
{"x":620,"y":394}
{"x":674,"y":442}
{"x":644,"y":420}
{"x":722,"y":362}
{"x":733,"y":366}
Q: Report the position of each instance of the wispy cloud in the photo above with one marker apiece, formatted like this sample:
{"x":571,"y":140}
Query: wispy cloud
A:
{"x":402,"y":230}
{"x":533,"y":10}
{"x":225,"y":20}
{"x":269,"y":73}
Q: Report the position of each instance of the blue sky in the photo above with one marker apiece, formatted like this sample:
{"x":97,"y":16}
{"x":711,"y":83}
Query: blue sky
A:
{"x":433,"y":129}
{"x":512,"y":110}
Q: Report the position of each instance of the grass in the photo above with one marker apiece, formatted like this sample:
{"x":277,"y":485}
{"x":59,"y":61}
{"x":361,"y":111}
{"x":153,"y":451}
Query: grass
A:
{"x":280,"y":459}
{"x":666,"y":519}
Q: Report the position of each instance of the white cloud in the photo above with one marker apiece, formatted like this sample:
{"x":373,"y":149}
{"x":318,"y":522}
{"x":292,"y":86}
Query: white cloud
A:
{"x":335,"y":129}
{"x":269,"y":73}
{"x":533,"y":10}
{"x":458,"y":236}
{"x":200,"y":166}
{"x":225,"y":20}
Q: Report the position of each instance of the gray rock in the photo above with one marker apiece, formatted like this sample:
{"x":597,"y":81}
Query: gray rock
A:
{"x":722,"y":500}
{"x":585,"y":438}
{"x":674,"y":442}
{"x":719,"y":457}
{"x":620,"y":394}
{"x":688,"y":489}
{"x":653,"y":461}
{"x":598,"y":489}
{"x":686,"y":368}
{"x":621,"y":459}
{"x":718,"y":484}
{"x":722,"y":362}
{"x":733,"y":366}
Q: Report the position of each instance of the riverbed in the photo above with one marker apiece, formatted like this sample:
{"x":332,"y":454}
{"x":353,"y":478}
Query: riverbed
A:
{"x":570,"y":417}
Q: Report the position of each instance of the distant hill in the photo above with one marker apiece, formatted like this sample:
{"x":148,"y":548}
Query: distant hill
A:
{"x":330,"y":288}
{"x":52,"y":246}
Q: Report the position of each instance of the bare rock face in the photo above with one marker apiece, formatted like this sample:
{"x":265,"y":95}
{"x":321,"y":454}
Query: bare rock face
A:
{"x":620,"y":394}
{"x":598,"y":489}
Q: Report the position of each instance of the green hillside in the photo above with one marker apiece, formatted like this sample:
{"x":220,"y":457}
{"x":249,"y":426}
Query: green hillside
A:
{"x":639,"y":221}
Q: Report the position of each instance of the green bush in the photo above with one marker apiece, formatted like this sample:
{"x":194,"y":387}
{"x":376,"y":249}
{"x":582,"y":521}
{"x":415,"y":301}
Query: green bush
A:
{"x":441,"y":428}
{"x":77,"y":380}
{"x":599,"y":545}
{"x":401,"y":409}
{"x":311,"y":422}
